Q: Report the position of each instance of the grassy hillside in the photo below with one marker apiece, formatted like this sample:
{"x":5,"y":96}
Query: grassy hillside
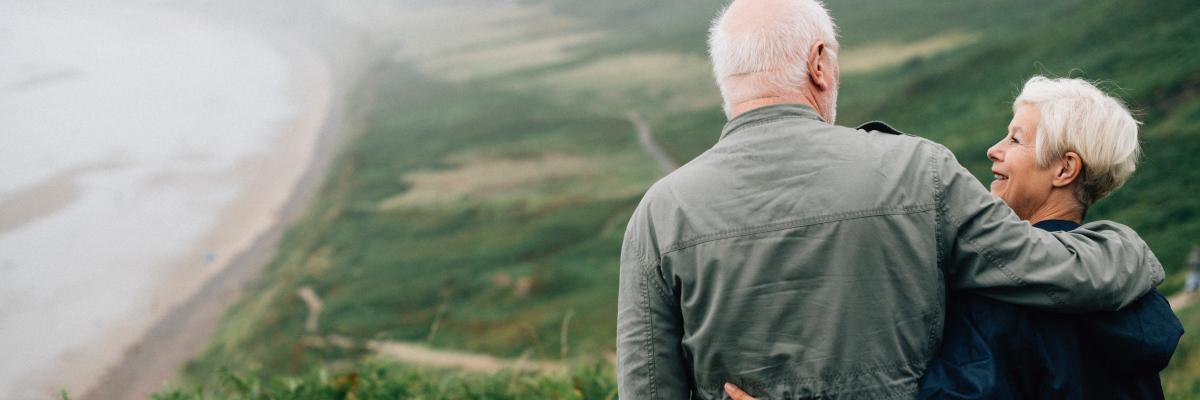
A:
{"x":483,"y":208}
{"x":963,"y":99}
{"x":417,"y":227}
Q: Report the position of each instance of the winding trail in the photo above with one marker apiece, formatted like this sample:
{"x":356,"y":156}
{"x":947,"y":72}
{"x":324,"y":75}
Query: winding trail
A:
{"x":423,"y":355}
{"x":413,"y":353}
{"x":646,"y":140}
{"x":1181,"y":300}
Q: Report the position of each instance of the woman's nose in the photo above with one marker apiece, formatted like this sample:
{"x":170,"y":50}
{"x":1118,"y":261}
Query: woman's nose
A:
{"x":994,"y":153}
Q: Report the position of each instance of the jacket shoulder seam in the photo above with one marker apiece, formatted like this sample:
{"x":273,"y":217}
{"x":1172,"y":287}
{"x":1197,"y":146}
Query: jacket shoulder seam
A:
{"x":795,"y":223}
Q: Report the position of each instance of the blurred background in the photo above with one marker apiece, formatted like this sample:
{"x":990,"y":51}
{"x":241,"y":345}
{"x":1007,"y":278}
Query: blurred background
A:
{"x":396,"y":199}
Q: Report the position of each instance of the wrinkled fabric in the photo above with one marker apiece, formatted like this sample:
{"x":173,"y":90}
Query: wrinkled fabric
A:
{"x":798,"y":259}
{"x":994,"y":350}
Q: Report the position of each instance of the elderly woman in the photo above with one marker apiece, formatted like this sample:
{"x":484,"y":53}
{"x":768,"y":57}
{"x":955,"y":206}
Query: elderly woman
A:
{"x":1068,"y":145}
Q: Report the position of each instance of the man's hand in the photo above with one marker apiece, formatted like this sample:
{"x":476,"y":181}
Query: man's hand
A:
{"x":736,"y":394}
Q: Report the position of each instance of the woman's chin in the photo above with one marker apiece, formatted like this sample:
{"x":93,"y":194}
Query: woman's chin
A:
{"x":997,"y":187}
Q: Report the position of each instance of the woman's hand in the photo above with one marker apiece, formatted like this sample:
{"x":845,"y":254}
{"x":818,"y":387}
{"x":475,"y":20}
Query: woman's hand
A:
{"x":736,"y":394}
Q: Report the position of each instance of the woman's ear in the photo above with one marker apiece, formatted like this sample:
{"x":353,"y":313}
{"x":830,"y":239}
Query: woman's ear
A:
{"x":1068,"y":170}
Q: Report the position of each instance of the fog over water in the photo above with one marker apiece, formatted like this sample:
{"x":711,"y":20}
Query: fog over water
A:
{"x":124,"y":132}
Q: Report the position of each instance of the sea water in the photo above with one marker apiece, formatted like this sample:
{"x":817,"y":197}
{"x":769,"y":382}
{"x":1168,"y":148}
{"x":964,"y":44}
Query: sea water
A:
{"x":121,"y":130}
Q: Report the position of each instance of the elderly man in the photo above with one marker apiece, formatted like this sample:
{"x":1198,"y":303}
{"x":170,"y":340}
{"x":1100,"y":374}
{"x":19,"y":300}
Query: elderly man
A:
{"x":799,"y":259}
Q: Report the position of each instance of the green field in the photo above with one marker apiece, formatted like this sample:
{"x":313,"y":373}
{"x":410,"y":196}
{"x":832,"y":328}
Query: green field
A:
{"x":482,"y":210}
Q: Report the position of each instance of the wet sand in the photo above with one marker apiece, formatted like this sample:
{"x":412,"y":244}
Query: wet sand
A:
{"x":42,"y":199}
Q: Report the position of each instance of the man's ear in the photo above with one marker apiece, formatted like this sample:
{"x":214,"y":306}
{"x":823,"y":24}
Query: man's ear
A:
{"x":818,"y":72}
{"x":1069,"y":169}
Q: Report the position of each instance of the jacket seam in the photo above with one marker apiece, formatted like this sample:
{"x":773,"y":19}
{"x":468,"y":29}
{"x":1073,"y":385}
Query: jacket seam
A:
{"x":761,"y":122}
{"x":809,"y":221}
{"x":939,"y":199}
{"x":651,"y":361}
{"x":850,"y":373}
{"x":834,"y":388}
{"x":992,"y":260}
{"x":1155,"y":275}
{"x":652,"y":273}
{"x":906,"y":393}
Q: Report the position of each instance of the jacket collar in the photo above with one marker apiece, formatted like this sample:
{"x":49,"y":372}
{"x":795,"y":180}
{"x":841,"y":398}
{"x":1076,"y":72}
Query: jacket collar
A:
{"x":1056,"y":225}
{"x":767,"y":114}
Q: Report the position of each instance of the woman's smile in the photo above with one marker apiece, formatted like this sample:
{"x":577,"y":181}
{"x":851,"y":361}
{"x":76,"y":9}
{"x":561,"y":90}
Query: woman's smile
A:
{"x":1017,"y":178}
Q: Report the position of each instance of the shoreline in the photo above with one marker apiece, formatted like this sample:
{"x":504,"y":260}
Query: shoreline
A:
{"x":191,"y":301}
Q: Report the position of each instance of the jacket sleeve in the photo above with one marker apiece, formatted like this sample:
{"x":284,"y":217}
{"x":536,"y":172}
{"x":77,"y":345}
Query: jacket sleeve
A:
{"x":987,"y":249}
{"x":650,"y":362}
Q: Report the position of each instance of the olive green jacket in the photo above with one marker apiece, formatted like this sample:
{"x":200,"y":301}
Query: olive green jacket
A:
{"x":799,"y":259}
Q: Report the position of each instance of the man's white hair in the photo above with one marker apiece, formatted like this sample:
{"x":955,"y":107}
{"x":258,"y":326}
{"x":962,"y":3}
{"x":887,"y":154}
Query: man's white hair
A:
{"x":1076,"y":116}
{"x":777,"y":47}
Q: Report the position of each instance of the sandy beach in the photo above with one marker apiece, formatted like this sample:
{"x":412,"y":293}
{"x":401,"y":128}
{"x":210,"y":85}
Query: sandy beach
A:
{"x":176,"y":307}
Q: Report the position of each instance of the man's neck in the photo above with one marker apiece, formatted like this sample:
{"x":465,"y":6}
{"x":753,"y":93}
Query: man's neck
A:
{"x":748,"y":105}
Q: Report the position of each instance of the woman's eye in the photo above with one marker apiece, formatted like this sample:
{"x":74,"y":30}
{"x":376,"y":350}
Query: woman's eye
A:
{"x":1014,"y":140}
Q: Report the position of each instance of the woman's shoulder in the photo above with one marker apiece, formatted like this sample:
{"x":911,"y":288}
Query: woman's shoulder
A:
{"x":1005,"y":321}
{"x":1137,"y":339}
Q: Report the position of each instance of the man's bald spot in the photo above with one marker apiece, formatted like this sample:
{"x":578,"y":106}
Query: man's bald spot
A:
{"x":744,"y":16}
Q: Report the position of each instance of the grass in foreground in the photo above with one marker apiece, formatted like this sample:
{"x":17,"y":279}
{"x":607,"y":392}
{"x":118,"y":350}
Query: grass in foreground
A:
{"x":381,"y":381}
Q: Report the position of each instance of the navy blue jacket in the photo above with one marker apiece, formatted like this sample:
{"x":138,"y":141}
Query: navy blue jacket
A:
{"x":994,"y":350}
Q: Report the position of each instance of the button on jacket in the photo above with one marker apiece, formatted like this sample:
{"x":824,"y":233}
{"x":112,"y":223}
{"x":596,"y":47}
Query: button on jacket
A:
{"x":799,"y":259}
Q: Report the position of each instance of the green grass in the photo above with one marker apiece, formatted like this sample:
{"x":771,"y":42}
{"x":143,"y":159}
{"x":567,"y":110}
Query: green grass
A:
{"x":386,"y":273}
{"x":373,"y":380}
{"x":1180,"y":380}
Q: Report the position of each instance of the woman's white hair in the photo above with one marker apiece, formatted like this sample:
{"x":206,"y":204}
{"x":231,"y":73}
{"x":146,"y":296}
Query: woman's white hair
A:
{"x":776,"y":46}
{"x":1078,"y":117}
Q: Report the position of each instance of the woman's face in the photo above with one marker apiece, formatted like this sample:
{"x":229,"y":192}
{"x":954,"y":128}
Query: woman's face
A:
{"x":1018,"y":180}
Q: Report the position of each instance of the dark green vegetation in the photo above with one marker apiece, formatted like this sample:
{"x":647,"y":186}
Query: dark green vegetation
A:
{"x":963,"y":100}
{"x":500,"y":265}
{"x":377,"y":382}
{"x":406,"y":244}
{"x":1180,"y":380}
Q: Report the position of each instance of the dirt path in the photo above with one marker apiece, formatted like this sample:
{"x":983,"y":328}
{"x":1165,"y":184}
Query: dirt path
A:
{"x":646,"y":139}
{"x":423,"y":355}
{"x":1181,"y":300}
{"x":413,"y":353}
